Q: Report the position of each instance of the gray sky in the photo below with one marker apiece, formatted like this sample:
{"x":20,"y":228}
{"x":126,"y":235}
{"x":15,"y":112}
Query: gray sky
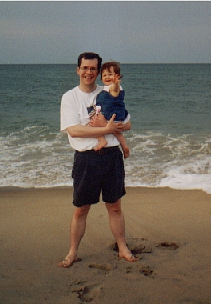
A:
{"x":129,"y":32}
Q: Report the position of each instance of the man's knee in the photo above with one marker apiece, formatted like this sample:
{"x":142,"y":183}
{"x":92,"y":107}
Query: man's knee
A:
{"x":114,"y":207}
{"x":82,"y":211}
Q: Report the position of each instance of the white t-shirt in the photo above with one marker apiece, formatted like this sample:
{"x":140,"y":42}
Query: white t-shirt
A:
{"x":107,"y":88}
{"x":74,"y":111}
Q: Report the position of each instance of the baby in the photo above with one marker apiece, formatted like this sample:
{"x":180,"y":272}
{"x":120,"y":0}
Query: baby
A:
{"x":111,"y":101}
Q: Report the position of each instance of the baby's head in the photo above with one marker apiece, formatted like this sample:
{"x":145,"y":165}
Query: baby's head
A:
{"x":108,"y":70}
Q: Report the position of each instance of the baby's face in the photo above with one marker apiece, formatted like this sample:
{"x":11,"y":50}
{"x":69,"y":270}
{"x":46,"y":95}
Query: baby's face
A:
{"x":108,"y":76}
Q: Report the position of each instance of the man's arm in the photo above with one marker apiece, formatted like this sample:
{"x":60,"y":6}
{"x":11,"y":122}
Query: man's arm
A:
{"x":126,"y":126}
{"x":89,"y":132}
{"x":99,"y":120}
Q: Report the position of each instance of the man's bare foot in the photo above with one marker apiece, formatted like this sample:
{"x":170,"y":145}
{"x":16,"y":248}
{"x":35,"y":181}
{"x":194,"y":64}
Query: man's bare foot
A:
{"x":68,"y":261}
{"x":102,"y":142}
{"x":128,"y":256}
{"x":126,"y":152}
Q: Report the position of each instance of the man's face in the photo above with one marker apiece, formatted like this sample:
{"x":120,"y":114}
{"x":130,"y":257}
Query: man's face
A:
{"x":88,"y":71}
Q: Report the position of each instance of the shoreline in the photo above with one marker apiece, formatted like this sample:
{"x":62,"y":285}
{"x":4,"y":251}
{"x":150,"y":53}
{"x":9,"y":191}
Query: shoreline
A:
{"x":63,"y":187}
{"x":171,"y":229}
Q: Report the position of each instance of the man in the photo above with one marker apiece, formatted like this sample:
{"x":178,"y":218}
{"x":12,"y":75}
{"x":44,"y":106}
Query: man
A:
{"x":93,"y":171}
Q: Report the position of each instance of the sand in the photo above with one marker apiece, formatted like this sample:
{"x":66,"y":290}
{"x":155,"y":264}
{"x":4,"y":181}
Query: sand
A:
{"x":170,"y":230}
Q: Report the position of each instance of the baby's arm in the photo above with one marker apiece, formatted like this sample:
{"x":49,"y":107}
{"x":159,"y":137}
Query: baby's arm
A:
{"x":114,"y":88}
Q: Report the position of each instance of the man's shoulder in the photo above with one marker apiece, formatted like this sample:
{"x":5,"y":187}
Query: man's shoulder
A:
{"x":70,"y":96}
{"x":76,"y":91}
{"x":99,"y":87}
{"x":71,"y":91}
{"x":98,"y":90}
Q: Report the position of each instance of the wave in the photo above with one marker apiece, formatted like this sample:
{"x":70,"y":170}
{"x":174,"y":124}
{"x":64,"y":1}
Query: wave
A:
{"x":36,"y":157}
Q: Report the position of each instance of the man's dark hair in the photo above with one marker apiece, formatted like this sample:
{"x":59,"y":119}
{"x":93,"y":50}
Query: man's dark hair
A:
{"x":90,"y":55}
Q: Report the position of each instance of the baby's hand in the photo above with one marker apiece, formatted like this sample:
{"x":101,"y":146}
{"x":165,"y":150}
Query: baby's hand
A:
{"x":98,"y":121}
{"x":98,"y":109}
{"x":116,"y":78}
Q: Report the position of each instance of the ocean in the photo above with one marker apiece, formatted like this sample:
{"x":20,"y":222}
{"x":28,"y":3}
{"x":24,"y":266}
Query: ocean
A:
{"x":170,"y":139}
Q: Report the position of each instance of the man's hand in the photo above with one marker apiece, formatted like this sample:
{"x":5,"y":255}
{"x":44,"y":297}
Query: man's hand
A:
{"x":114,"y":127}
{"x":111,"y":126}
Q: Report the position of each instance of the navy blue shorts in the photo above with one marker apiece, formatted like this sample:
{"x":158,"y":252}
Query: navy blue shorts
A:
{"x":95,"y":172}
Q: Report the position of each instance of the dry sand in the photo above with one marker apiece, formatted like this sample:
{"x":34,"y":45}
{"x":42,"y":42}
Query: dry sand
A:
{"x":170,"y":230}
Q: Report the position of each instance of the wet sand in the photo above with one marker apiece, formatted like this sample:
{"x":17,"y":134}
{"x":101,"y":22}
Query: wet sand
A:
{"x":169,"y":230}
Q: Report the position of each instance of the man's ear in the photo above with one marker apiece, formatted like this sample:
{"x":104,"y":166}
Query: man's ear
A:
{"x":77,"y":70}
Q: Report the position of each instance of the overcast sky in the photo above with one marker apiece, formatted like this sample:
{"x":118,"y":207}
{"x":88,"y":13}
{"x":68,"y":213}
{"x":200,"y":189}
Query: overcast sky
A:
{"x":129,"y":32}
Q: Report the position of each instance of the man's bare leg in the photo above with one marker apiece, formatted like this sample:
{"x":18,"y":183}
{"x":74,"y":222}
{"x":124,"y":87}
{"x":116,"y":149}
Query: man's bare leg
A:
{"x":117,"y":225}
{"x":77,"y":230}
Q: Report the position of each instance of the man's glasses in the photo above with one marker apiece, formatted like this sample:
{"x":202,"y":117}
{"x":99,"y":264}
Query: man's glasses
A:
{"x":86,"y":69}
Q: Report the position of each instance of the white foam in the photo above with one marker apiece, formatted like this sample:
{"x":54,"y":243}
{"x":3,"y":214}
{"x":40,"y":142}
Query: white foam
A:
{"x":35,"y":157}
{"x":188,"y":181}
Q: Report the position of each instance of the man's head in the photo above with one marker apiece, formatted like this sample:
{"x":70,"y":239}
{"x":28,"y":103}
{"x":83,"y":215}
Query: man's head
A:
{"x":90,"y":55}
{"x":88,"y":69}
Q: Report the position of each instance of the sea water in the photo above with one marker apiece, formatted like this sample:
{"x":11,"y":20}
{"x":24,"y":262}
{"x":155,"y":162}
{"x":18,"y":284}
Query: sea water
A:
{"x":170,"y":139}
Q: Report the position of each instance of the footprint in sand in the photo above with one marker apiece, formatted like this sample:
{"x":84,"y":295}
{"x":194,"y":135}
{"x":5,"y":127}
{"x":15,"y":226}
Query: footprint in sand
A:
{"x":136,"y":246}
{"x":105,"y":267}
{"x":88,"y":293}
{"x":167,"y":246}
{"x":147,"y":271}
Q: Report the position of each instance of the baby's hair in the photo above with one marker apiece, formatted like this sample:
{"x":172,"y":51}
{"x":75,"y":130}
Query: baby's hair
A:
{"x":108,"y":65}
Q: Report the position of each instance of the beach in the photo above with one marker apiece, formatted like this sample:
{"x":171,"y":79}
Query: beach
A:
{"x":169,"y":230}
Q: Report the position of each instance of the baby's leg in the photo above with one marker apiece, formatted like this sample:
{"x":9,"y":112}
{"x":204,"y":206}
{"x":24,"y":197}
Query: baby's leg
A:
{"x":123,"y":144}
{"x":102,"y":142}
{"x":99,"y":121}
